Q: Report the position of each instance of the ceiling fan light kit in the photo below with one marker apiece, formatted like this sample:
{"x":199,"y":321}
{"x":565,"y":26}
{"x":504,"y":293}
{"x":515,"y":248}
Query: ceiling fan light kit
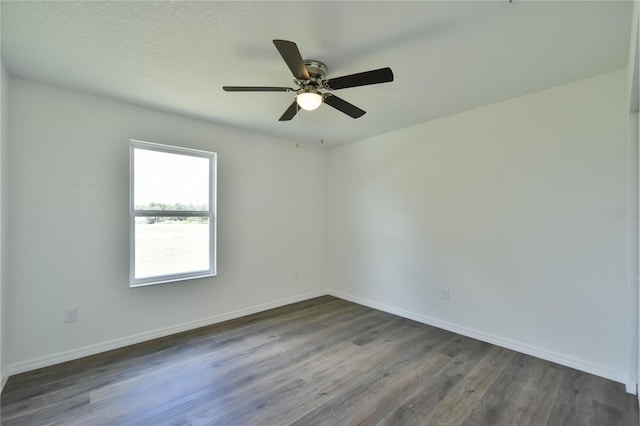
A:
{"x":309,"y":99}
{"x":313,"y":86}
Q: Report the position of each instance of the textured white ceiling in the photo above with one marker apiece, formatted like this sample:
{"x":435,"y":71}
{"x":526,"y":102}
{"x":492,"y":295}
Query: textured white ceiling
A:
{"x":447,"y":57}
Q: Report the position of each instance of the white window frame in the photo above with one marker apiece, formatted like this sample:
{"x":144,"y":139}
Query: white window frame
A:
{"x":210,"y":214}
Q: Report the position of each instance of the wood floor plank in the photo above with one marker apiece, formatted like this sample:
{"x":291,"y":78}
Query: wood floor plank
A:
{"x":361,"y":395}
{"x":309,"y":356}
{"x":582,"y":398}
{"x":319,"y":362}
{"x":460,"y":401}
{"x":530,"y":383}
{"x":533,"y":405}
{"x":465,"y":353}
{"x":327,"y":381}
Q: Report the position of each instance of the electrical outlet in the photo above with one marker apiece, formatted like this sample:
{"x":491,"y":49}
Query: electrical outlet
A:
{"x":71,"y":315}
{"x":445,"y":294}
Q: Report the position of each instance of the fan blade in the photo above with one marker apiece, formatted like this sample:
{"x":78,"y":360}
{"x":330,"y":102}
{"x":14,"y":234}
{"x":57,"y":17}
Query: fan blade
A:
{"x":290,"y":112}
{"x":256,"y":89}
{"x":383,"y":75}
{"x":344,"y":106}
{"x":291,"y":55}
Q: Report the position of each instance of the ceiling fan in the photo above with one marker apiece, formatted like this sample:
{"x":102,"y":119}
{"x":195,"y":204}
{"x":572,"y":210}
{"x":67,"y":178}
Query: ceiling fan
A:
{"x":313,"y":86}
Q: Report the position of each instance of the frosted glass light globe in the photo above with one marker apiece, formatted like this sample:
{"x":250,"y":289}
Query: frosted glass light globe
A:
{"x":309,"y":100}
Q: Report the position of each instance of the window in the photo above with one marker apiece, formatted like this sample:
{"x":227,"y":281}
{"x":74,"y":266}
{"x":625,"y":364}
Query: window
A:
{"x":172,"y":214}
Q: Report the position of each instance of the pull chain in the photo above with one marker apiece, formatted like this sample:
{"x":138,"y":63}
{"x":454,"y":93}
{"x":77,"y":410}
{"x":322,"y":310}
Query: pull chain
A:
{"x":297,"y":126}
{"x":322,"y":123}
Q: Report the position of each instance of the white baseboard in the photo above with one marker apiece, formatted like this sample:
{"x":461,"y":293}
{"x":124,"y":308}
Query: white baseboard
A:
{"x":45,"y":361}
{"x":3,"y":380}
{"x":562,"y":359}
{"x":558,"y":358}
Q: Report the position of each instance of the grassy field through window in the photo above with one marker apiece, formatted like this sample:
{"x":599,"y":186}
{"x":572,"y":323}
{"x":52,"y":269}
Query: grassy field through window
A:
{"x":172,"y":246}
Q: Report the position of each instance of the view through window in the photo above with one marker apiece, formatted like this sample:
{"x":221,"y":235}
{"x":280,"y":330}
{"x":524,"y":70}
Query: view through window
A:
{"x":172,"y":213}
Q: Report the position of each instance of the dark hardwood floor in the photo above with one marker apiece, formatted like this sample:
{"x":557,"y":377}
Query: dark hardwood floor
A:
{"x":320,"y":362}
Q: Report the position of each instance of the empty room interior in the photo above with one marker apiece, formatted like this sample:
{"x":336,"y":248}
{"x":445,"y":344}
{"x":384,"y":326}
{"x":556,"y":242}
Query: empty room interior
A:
{"x":449,"y":235}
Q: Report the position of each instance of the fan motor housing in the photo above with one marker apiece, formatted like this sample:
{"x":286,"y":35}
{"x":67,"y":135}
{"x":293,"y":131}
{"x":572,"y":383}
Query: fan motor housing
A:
{"x":317,"y":70}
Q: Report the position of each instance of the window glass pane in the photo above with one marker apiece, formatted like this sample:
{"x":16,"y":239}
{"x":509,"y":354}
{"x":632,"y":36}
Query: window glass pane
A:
{"x":171,"y":245}
{"x":169,"y":181}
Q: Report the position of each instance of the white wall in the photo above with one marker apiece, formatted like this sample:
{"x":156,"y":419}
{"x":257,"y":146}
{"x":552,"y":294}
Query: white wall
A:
{"x":68,"y":210}
{"x":631,"y":215}
{"x":4,"y":141}
{"x":505,"y":206}
{"x":633,"y":84}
